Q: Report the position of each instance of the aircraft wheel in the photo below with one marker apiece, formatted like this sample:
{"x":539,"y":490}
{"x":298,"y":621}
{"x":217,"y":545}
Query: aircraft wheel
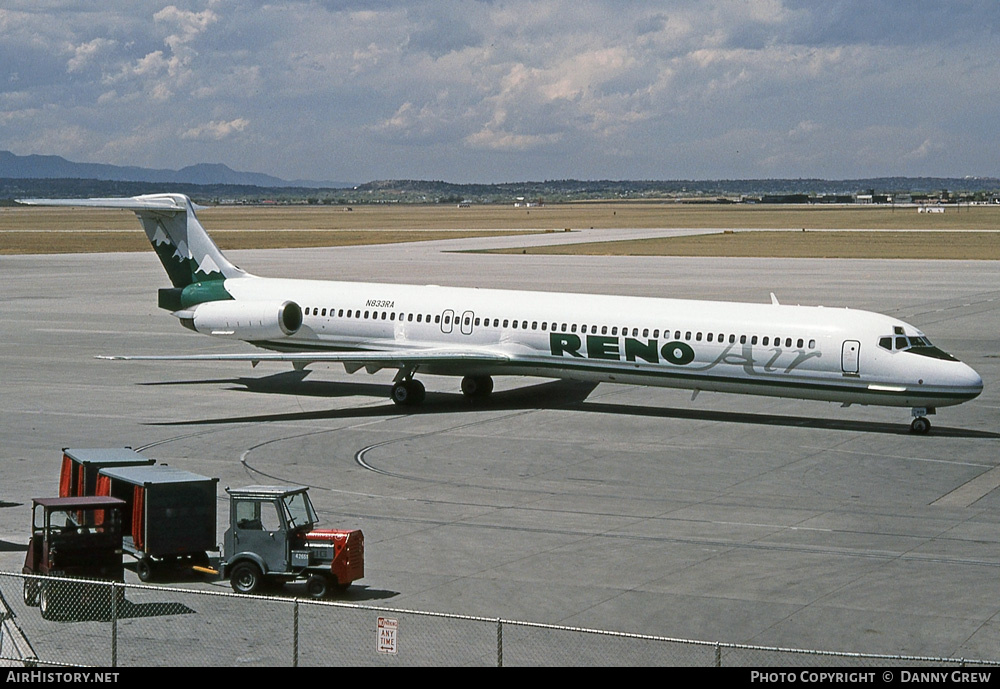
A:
{"x":400,"y":393}
{"x":920,"y":425}
{"x":477,"y":387}
{"x":408,"y":392}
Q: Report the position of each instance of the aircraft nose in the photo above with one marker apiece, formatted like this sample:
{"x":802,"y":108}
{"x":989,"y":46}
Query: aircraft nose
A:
{"x":969,"y":381}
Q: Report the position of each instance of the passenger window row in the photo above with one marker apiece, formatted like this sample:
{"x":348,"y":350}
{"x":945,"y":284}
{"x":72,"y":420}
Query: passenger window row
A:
{"x":369,"y":315}
{"x":584,"y":329}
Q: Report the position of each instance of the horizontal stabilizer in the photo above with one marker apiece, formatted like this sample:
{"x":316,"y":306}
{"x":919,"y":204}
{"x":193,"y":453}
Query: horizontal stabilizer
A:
{"x":150,"y":202}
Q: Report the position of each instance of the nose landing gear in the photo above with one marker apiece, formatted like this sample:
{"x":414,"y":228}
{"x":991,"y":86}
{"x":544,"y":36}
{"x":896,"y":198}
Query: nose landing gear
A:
{"x":921,"y":425}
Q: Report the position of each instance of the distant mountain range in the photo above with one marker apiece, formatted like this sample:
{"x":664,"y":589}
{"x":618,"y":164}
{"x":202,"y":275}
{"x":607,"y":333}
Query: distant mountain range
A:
{"x":56,"y":167}
{"x":49,"y":175}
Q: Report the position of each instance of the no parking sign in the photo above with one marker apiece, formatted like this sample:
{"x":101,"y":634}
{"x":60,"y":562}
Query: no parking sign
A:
{"x":387,"y":629}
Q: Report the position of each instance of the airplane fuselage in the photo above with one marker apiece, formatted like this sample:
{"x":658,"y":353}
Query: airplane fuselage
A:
{"x":806,"y":352}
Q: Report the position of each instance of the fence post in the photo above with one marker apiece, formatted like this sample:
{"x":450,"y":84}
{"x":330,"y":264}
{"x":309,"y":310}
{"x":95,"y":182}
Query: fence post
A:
{"x":295,"y":633}
{"x":718,"y":655}
{"x":499,"y":642}
{"x":114,"y":621}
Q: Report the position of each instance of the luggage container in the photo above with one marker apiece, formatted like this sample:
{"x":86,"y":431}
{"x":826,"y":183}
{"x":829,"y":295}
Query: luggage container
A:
{"x":80,"y":467}
{"x":170,"y":515}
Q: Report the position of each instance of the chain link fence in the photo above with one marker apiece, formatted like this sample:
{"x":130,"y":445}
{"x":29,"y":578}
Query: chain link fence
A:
{"x":46,"y":621}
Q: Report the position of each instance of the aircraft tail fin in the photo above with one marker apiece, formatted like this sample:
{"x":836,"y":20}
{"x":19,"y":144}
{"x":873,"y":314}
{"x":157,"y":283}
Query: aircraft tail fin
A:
{"x":186,"y":251}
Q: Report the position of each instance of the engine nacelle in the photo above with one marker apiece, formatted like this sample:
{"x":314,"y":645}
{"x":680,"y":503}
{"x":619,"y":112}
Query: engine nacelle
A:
{"x":244,"y":320}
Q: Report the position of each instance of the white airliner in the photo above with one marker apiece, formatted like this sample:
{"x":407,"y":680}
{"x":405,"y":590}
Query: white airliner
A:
{"x":803,"y":352}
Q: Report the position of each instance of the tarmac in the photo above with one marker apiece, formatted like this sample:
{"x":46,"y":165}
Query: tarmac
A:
{"x":725,"y":518}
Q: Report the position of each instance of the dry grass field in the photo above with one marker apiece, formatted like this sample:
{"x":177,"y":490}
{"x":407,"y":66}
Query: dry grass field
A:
{"x":812,"y":244}
{"x":962,"y":233}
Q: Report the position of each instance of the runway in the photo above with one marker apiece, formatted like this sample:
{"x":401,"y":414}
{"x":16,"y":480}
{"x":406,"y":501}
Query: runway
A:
{"x":726,"y":518}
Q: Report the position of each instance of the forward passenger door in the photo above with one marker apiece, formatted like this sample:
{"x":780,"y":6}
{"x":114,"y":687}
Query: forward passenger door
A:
{"x":850,"y":357}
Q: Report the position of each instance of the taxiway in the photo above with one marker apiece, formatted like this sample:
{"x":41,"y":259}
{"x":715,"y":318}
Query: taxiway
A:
{"x":727,"y":518}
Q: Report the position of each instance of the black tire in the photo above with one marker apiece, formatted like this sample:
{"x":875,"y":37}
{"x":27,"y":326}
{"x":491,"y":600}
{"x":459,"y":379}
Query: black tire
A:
{"x":408,"y":393}
{"x":31,"y":589}
{"x":46,"y":603}
{"x":51,"y":603}
{"x":417,"y":392}
{"x":400,"y":394}
{"x":318,"y":586}
{"x":246,"y":578}
{"x":145,"y":570}
{"x":920,"y":425}
{"x":477,"y":387}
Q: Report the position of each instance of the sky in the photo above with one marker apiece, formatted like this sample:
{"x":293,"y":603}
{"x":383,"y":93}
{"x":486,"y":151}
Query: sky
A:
{"x":470,"y":91}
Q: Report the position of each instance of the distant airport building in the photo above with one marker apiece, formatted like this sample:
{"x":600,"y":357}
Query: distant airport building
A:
{"x":785,"y":198}
{"x":871,"y":197}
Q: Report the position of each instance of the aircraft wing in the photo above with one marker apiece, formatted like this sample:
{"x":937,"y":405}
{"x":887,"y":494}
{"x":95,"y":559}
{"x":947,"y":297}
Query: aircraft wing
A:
{"x":354,"y":360}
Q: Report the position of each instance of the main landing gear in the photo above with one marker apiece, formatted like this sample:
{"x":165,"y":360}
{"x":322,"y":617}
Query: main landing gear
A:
{"x":921,"y":425}
{"x":409,"y":392}
{"x":477,"y":387}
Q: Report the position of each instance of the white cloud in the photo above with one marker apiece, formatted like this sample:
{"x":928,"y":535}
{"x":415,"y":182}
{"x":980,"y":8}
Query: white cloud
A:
{"x":549,"y":88}
{"x":216,"y":130}
{"x":189,"y":24}
{"x":154,"y":63}
{"x":499,"y":140}
{"x":86,"y":53}
{"x":926,"y":148}
{"x":804,"y":128}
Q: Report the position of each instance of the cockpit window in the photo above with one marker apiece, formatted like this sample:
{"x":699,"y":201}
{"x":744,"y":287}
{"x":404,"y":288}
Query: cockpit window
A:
{"x":902,"y":343}
{"x":916,"y":344}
